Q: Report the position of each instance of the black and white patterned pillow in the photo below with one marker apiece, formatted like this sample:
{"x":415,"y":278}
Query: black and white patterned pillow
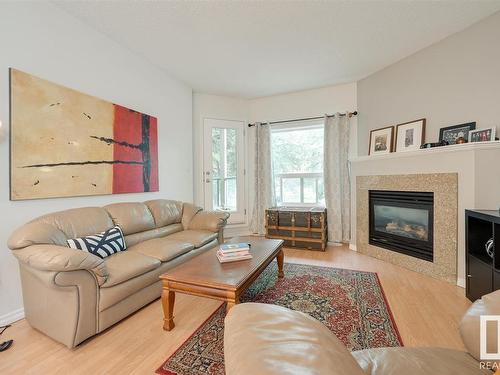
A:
{"x":103,"y":244}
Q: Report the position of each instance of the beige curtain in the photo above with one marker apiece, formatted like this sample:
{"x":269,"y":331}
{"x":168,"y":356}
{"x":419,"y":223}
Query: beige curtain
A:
{"x":263,"y":178}
{"x":337,"y":178}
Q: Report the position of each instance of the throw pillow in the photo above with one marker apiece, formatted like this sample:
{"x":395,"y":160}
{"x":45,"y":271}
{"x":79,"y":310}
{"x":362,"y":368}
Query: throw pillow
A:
{"x":103,"y":244}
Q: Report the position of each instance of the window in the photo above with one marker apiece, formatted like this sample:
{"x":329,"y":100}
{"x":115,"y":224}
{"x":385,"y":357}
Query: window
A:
{"x":297,"y":157}
{"x":224,"y":169}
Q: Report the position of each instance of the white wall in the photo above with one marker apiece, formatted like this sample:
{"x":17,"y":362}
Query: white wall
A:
{"x":43,"y":40}
{"x":451,"y":82}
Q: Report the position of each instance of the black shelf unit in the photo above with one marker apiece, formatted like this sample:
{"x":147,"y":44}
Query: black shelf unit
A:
{"x":483,"y":271}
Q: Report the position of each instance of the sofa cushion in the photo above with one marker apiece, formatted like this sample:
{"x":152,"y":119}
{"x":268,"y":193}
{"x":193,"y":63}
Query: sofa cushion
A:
{"x":134,"y":239}
{"x":417,"y":361}
{"x":127,"y":265}
{"x":188,"y":212}
{"x":116,"y":293}
{"x":132,"y":217}
{"x":163,"y":249}
{"x":165,"y":212}
{"x":102,"y":244}
{"x":78,"y":222}
{"x":197,"y":237}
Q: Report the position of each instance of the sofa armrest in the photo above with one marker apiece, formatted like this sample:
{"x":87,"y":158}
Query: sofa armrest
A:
{"x":213,"y":221}
{"x":59,"y":259}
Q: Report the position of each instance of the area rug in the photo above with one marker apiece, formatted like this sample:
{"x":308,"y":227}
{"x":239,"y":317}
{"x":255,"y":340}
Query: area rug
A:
{"x":350,"y":303}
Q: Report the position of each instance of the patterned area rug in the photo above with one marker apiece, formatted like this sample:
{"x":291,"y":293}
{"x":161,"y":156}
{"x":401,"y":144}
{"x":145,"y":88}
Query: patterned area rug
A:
{"x":350,"y":303}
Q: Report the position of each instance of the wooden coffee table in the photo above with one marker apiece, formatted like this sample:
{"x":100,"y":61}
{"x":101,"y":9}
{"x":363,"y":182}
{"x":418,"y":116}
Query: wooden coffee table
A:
{"x":205,"y":276}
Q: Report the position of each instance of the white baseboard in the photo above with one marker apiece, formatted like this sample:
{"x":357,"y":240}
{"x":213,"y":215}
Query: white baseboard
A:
{"x":461,"y":282}
{"x":352,"y":246}
{"x":329,"y":243}
{"x":11,"y":317}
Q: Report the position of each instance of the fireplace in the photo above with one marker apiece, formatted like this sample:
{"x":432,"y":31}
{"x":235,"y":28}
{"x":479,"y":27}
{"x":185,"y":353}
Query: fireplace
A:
{"x":402,"y":221}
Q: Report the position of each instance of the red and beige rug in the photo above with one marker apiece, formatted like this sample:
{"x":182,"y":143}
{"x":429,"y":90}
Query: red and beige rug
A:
{"x":350,"y":303}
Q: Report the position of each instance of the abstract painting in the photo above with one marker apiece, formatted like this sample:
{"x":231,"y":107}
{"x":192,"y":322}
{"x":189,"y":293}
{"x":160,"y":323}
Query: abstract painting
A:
{"x":65,"y":143}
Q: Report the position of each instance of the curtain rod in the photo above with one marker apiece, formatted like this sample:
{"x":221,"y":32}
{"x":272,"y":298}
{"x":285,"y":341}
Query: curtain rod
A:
{"x":350,"y":114}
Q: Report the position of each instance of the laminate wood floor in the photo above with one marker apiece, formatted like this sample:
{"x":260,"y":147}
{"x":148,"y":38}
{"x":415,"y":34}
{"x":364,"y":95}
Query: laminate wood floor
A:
{"x":427,"y":313}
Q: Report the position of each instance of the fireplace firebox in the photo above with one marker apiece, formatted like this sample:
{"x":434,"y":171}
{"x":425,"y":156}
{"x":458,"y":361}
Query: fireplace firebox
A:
{"x":402,"y":221}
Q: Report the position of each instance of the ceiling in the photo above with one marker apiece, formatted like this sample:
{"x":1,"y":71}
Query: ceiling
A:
{"x":260,"y":48}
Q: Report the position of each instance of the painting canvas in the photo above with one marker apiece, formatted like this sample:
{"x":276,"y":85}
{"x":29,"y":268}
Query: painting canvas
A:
{"x":65,"y":143}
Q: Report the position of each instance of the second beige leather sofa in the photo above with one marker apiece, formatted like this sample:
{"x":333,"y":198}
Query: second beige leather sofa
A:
{"x":70,"y":295}
{"x":273,"y":340}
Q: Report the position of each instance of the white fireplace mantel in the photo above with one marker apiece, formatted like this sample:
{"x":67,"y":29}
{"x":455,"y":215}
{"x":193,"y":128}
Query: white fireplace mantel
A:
{"x":476,"y":164}
{"x":430,"y":151}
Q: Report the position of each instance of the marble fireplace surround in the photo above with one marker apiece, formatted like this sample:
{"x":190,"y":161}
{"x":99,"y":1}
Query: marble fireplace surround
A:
{"x":445,"y":189}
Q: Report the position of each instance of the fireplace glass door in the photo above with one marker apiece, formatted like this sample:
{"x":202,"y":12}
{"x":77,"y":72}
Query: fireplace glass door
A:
{"x":402,"y":221}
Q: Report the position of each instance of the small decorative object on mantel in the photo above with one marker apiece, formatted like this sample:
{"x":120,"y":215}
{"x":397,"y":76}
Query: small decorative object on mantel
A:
{"x":460,"y":140}
{"x":410,"y":135}
{"x":452,"y":133}
{"x":381,"y":141}
{"x":482,"y":135}
{"x":435,"y":144}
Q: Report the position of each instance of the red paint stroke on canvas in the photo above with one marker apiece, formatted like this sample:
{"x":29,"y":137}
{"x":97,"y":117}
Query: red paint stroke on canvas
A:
{"x":128,"y":127}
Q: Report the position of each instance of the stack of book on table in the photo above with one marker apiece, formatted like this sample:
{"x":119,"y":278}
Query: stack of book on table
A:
{"x":232,"y":252}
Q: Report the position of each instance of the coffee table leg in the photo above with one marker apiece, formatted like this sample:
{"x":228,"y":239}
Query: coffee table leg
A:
{"x":168,"y":300}
{"x":280,"y":258}
{"x":230,"y":303}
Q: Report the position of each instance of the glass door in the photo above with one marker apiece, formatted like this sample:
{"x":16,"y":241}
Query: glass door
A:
{"x":224,"y":168}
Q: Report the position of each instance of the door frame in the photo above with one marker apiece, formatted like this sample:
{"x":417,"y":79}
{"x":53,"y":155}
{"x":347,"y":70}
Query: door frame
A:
{"x":240,"y":219}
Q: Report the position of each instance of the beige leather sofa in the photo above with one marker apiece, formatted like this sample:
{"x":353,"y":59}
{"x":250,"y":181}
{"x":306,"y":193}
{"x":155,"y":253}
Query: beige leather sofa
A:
{"x":71,"y":295}
{"x":271,"y":340}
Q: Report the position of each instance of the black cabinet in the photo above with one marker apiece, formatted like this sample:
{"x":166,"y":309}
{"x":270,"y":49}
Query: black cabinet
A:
{"x":479,"y":278}
{"x":482,"y":264}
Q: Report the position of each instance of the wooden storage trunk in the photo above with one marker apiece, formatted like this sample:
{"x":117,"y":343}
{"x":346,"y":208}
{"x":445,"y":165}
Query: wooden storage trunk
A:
{"x":299,"y":227}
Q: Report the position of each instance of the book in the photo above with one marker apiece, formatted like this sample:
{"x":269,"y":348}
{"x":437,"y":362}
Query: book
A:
{"x":233,"y":247}
{"x":223,"y":259}
{"x":233,"y":254}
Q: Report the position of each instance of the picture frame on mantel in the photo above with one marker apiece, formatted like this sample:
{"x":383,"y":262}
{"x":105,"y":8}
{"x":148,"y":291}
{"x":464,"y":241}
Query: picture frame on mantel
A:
{"x":454,"y":132}
{"x":381,"y":141}
{"x":410,"y":135}
{"x":482,"y":135}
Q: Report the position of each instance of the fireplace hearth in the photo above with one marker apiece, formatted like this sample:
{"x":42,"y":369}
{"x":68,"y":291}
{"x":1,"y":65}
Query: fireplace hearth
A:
{"x":402,"y":221}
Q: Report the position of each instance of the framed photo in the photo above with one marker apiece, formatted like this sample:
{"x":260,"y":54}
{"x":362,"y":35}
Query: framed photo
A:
{"x":482,"y":135}
{"x":381,"y":141}
{"x":452,"y":133}
{"x":410,"y":135}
